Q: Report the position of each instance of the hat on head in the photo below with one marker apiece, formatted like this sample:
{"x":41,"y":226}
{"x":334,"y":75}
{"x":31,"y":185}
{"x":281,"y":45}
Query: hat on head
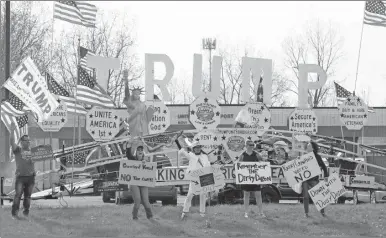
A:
{"x":281,"y":144}
{"x":192,"y":144}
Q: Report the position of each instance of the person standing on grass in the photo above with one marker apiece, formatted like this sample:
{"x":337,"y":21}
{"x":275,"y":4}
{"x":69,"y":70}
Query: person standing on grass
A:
{"x":313,"y":147}
{"x":25,"y":172}
{"x":251,"y":156}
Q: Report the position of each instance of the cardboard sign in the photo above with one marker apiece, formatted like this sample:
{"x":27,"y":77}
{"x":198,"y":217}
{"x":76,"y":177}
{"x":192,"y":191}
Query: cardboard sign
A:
{"x":8,"y":182}
{"x":137,"y":173}
{"x":102,"y":124}
{"x":160,"y":120}
{"x":112,"y":185}
{"x":301,"y":169}
{"x":353,"y":113}
{"x":208,"y":139}
{"x":361,"y":181}
{"x":206,"y":179}
{"x":42,"y":152}
{"x":261,"y":116}
{"x":57,"y":119}
{"x":26,"y":83}
{"x":304,"y":121}
{"x":253,"y":173}
{"x":325,"y":193}
{"x":204,"y":113}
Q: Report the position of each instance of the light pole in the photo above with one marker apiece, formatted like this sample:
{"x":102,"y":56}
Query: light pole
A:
{"x":209,"y":44}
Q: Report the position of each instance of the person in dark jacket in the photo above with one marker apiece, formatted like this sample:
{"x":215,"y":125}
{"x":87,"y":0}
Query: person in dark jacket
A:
{"x":313,"y":147}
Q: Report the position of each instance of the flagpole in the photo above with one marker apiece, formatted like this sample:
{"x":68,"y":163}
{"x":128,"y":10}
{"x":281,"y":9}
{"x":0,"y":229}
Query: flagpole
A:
{"x":360,"y":47}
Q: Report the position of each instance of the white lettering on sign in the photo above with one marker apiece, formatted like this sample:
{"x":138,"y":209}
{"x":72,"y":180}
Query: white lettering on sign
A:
{"x":253,"y":173}
{"x":353,"y":113}
{"x":303,"y":121}
{"x":102,"y":124}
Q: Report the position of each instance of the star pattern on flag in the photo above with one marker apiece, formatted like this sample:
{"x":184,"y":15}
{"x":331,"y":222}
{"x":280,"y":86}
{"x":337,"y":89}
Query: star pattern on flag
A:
{"x":55,"y":88}
{"x":19,"y":105}
{"x":85,"y":79}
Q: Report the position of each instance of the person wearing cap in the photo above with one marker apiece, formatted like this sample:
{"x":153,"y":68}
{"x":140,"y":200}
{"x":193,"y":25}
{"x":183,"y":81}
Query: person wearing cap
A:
{"x":251,"y":156}
{"x":197,"y":159}
{"x":281,"y":152}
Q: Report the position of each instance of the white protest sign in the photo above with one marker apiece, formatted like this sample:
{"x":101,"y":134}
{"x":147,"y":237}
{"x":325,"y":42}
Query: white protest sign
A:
{"x":301,"y":169}
{"x":161,"y":117}
{"x":8,"y":182}
{"x":57,"y":119}
{"x":325,"y":193}
{"x":26,"y":84}
{"x":304,"y":121}
{"x":234,"y":140}
{"x":353,"y":113}
{"x":261,"y":116}
{"x":206,"y":179}
{"x":102,"y":124}
{"x":204,"y":113}
{"x":208,"y":139}
{"x":253,"y":173}
{"x":137,"y":173}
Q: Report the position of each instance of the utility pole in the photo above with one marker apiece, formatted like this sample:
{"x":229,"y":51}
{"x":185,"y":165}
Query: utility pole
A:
{"x":209,"y":44}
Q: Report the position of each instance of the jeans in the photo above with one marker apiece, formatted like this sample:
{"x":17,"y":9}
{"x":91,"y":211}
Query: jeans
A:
{"x":189,"y":197}
{"x":23,"y":184}
{"x":306,"y":197}
{"x":141,"y":195}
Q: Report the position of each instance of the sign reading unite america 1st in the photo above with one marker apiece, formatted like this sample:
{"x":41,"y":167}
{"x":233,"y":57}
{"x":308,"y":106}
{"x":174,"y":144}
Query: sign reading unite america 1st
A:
{"x":102,"y":124}
{"x":303,"y":121}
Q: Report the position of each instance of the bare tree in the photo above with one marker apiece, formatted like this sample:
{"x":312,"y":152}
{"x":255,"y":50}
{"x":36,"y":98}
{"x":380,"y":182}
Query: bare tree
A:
{"x":111,"y":38}
{"x":318,"y":45}
{"x":180,"y":91}
{"x":30,"y":35}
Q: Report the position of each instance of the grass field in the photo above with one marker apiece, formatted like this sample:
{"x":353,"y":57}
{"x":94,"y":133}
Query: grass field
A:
{"x":226,"y":221}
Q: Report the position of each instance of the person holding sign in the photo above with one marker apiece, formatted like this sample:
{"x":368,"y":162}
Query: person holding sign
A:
{"x":251,"y":156}
{"x":313,"y":147}
{"x":197,"y":160}
{"x":25,"y":172}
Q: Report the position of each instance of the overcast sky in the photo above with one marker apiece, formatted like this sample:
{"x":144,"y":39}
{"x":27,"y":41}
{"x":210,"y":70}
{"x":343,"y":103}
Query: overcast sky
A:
{"x":176,"y":29}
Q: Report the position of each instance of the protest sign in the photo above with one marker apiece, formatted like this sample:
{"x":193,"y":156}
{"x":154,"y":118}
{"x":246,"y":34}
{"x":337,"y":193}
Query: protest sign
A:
{"x":137,"y":173}
{"x":301,"y":169}
{"x":26,"y":83}
{"x":261,"y":116}
{"x":325,"y":193}
{"x":206,"y":179}
{"x":253,"y":173}
{"x":42,"y":152}
{"x":57,"y":119}
{"x":204,"y":113}
{"x":304,"y":121}
{"x":353,"y":113}
{"x":160,"y":121}
{"x":108,"y":186}
{"x":102,"y":124}
{"x":208,"y":140}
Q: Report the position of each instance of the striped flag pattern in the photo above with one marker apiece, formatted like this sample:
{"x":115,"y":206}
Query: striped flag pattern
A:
{"x":55,"y":88}
{"x":14,"y":110}
{"x":342,"y":94}
{"x":260,"y":91}
{"x":76,"y":12}
{"x":89,"y":92}
{"x":375,"y":13}
{"x":83,"y":57}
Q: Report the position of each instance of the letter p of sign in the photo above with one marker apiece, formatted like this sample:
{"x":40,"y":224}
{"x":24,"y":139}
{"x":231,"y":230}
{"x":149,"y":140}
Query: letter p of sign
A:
{"x":305,"y":85}
{"x":150,"y":59}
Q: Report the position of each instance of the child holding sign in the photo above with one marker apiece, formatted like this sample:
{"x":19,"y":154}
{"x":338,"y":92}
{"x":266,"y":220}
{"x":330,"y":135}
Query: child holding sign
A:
{"x":251,"y":156}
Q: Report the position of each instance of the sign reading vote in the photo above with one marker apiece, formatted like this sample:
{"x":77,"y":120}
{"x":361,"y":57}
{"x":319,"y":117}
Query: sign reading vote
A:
{"x":57,"y":119}
{"x":353,"y":113}
{"x":137,"y":173}
{"x":161,"y":117}
{"x":206,"y":179}
{"x":102,"y":124}
{"x":42,"y":152}
{"x":325,"y":193}
{"x":253,"y":173}
{"x":301,"y":169}
{"x":304,"y":121}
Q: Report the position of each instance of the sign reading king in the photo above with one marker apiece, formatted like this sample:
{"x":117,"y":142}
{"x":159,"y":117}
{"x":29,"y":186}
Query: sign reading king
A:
{"x":102,"y":124}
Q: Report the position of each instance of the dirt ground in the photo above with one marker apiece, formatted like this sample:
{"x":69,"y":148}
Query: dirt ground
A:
{"x":86,"y":218}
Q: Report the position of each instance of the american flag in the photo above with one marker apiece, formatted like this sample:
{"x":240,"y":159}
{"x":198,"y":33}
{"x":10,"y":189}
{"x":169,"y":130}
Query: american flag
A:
{"x":375,"y":13}
{"x":14,"y":110}
{"x":342,"y":94}
{"x":76,"y":12}
{"x":260,"y":91}
{"x":55,"y":88}
{"x":89,"y":92}
{"x":83,"y":57}
{"x":80,"y":159}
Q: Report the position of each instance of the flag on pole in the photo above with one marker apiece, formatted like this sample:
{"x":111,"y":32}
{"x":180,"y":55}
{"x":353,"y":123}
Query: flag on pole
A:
{"x":260,"y":91}
{"x":76,"y":12}
{"x":55,"y":88}
{"x":375,"y":13}
{"x":14,"y":110}
{"x":83,"y":57}
{"x":89,"y":92}
{"x":342,"y":94}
